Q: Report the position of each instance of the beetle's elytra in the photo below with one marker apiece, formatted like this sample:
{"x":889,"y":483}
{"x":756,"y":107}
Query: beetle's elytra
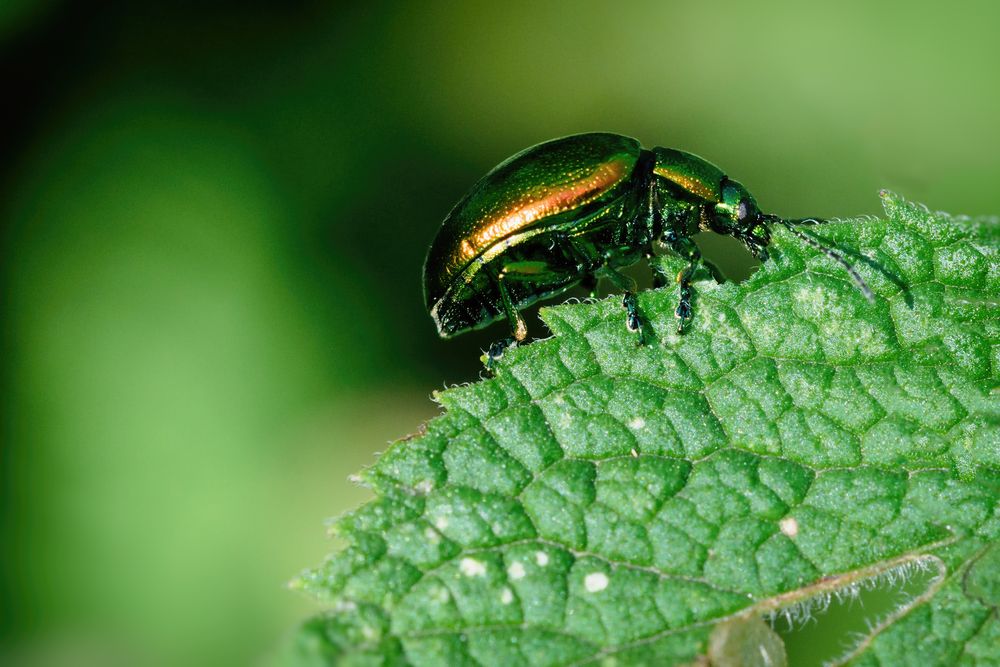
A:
{"x":574,"y":209}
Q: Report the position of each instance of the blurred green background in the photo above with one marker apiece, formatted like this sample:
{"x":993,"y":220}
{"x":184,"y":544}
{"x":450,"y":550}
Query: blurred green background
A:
{"x":214,"y":217}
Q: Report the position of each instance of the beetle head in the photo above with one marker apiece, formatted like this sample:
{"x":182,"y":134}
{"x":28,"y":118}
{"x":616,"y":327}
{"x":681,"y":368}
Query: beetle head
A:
{"x":737,"y":215}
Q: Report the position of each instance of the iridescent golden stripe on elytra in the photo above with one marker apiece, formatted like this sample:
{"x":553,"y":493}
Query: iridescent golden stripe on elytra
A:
{"x":533,"y":208}
{"x":685,"y":181}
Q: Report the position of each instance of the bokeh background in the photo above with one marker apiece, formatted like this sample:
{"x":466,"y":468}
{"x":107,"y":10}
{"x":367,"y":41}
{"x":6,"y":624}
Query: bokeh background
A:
{"x":214,"y":216}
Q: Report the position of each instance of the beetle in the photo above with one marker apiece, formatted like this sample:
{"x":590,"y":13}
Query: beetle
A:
{"x":574,"y":209}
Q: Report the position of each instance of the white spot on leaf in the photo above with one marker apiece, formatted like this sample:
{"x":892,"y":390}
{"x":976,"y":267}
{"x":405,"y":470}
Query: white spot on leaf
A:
{"x":516,"y":571}
{"x":471,"y":567}
{"x":789,"y":526}
{"x":506,"y":596}
{"x":595,"y":582}
{"x":541,"y":558}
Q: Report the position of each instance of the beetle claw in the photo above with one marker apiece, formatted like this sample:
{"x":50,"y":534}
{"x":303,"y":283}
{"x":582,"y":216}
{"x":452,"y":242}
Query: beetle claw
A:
{"x":683,"y":314}
{"x":632,"y":320}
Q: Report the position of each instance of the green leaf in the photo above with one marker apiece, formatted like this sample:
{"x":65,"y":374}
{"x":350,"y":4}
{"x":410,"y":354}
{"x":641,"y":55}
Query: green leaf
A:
{"x":600,"y":501}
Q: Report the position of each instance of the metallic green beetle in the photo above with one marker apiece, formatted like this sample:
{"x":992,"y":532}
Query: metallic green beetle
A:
{"x":571,"y":210}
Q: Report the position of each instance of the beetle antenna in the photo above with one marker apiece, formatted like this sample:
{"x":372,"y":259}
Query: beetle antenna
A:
{"x":829,"y":252}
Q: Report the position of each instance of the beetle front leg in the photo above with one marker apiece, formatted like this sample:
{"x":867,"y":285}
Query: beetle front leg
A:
{"x":519,"y":330}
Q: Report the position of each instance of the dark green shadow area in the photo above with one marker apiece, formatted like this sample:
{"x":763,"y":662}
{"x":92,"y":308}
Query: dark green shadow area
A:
{"x":827,"y":633}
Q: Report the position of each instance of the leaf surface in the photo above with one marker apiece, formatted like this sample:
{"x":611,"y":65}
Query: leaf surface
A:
{"x":603,"y":502}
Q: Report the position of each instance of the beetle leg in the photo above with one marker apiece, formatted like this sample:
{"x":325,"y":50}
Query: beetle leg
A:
{"x":687,"y":249}
{"x":757,"y":250}
{"x":519,"y":330}
{"x":629,"y":301}
{"x":683,"y":310}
